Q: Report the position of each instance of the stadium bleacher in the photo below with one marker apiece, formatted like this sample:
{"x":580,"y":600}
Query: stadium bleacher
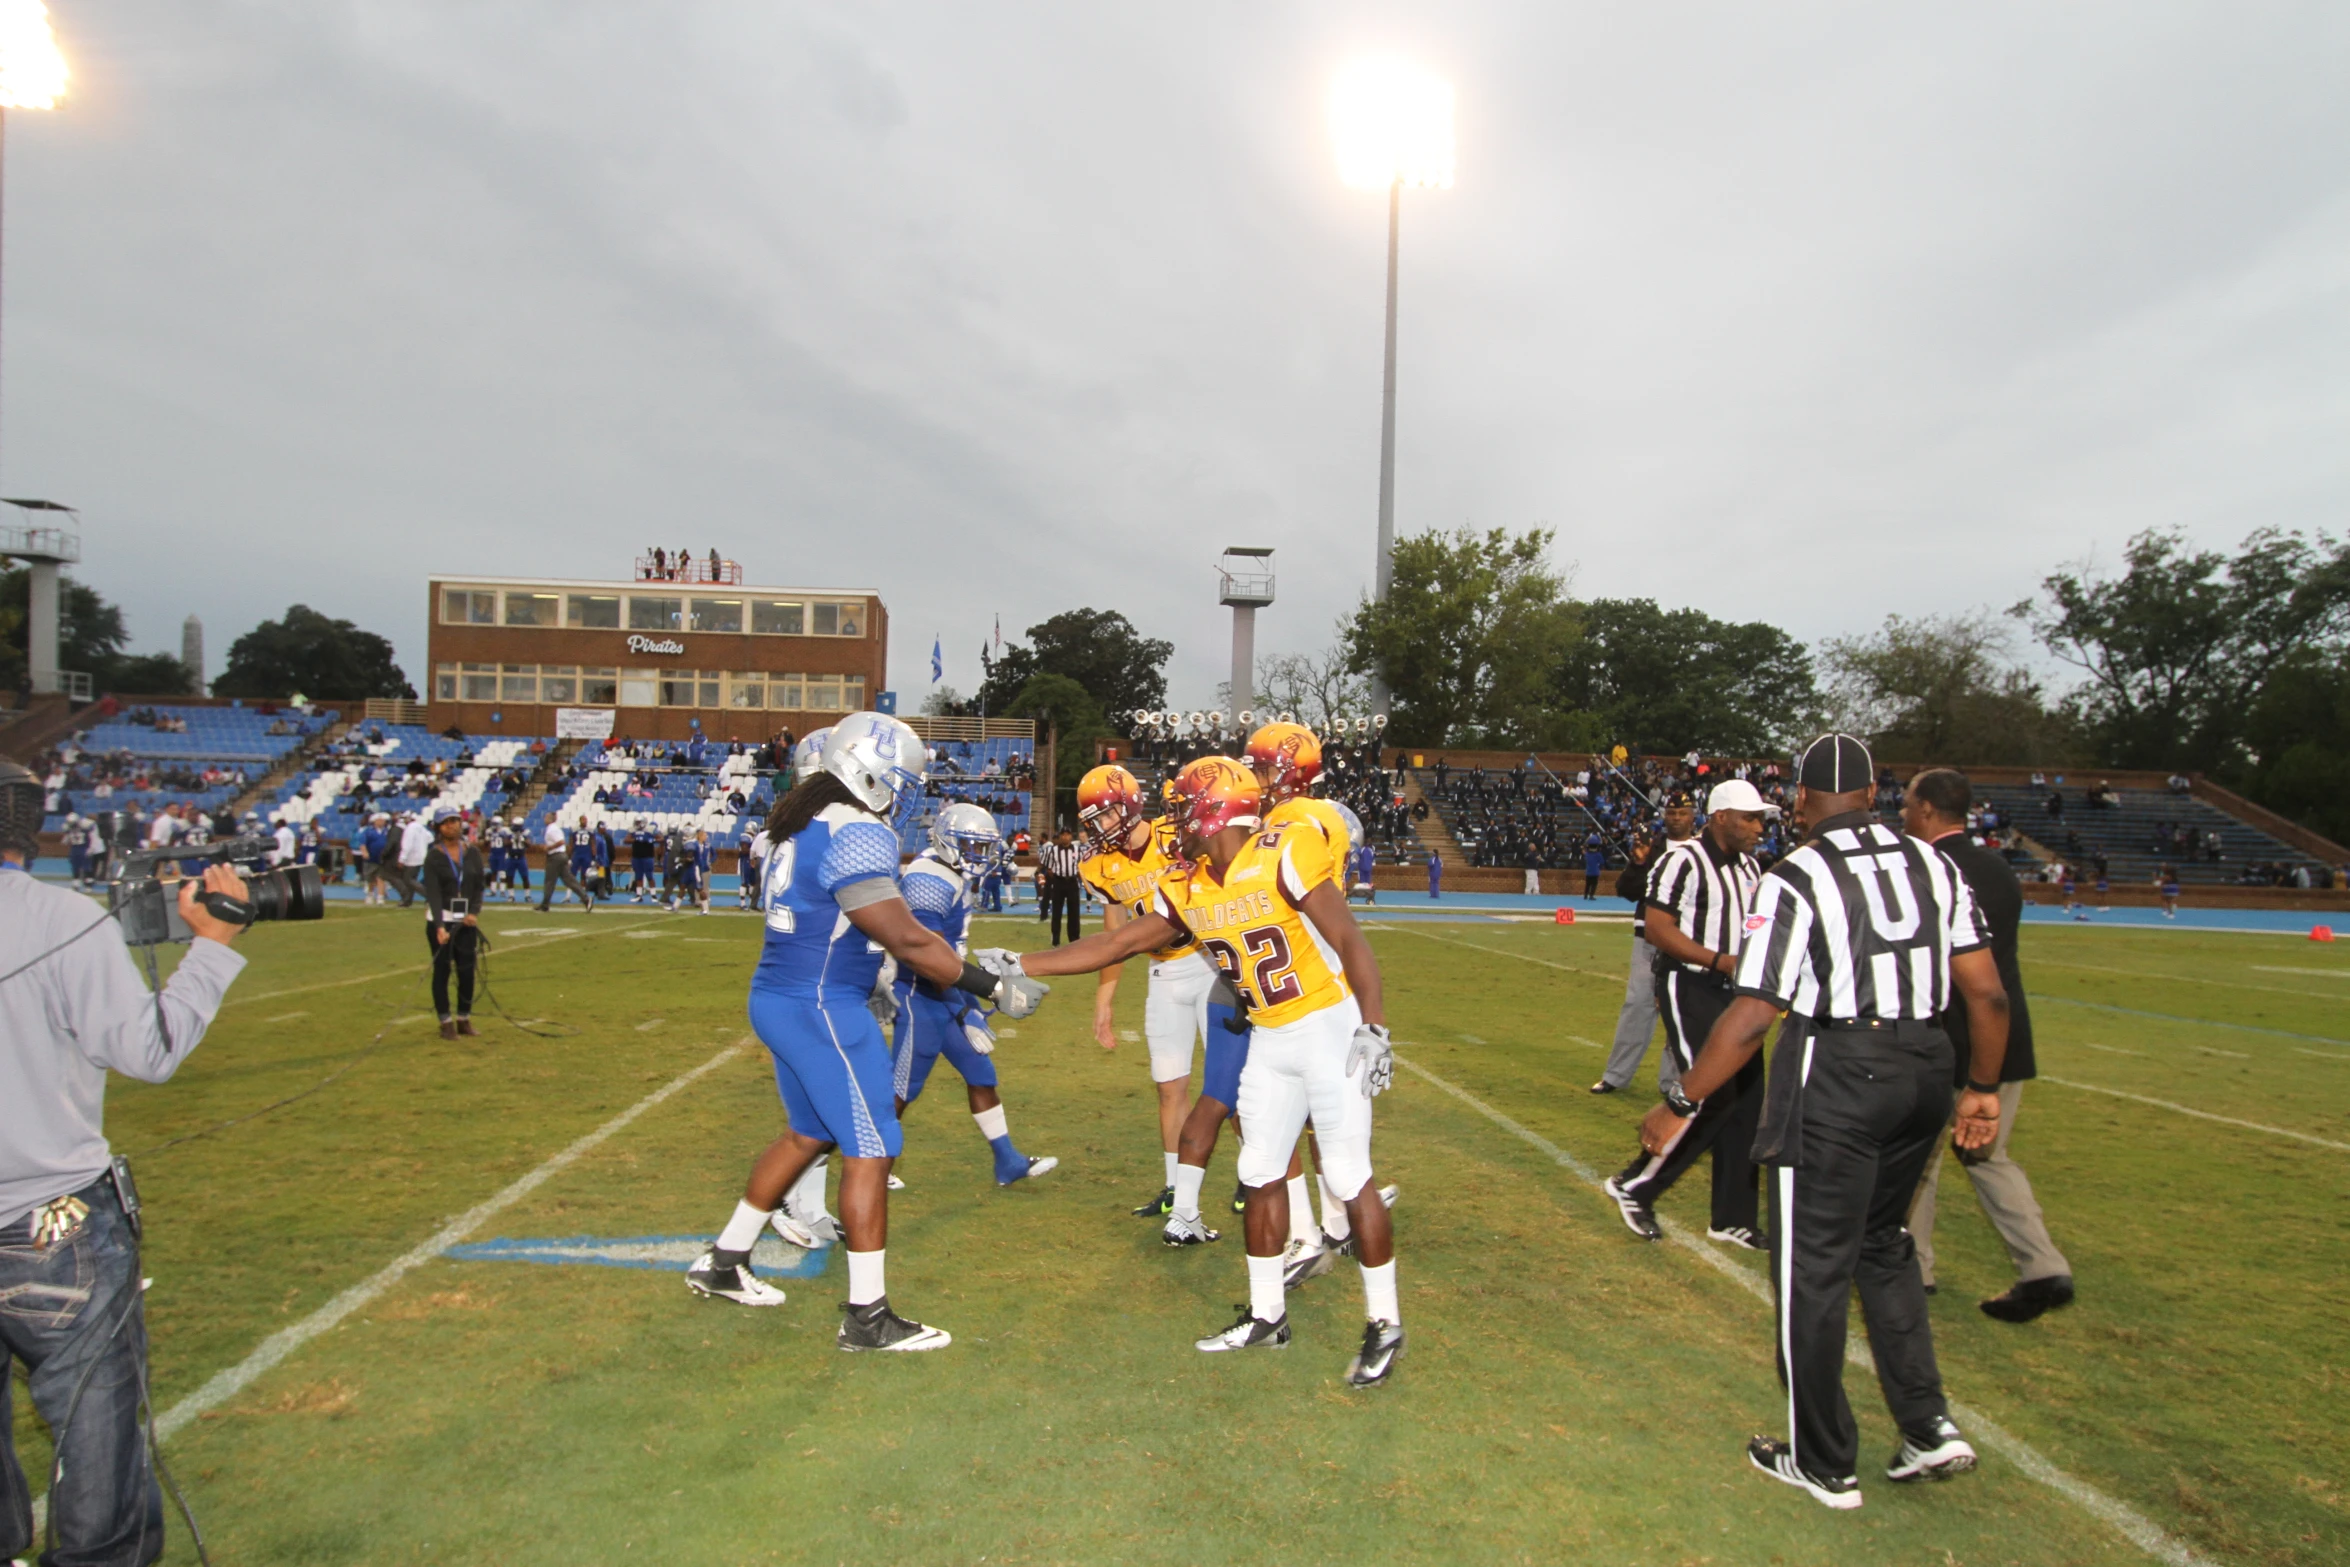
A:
{"x":126,"y":748}
{"x":2125,"y":834}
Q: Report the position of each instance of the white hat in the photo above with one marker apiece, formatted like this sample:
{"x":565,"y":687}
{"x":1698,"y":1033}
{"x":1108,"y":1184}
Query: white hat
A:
{"x":1736,"y":794}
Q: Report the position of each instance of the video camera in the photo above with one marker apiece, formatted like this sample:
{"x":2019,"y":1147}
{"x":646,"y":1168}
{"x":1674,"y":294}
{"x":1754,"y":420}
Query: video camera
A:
{"x":148,"y":904}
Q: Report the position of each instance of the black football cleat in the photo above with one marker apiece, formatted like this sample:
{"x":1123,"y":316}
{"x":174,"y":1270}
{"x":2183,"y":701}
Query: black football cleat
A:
{"x":1248,"y":1331}
{"x":1777,"y":1459}
{"x":875,"y":1326}
{"x":1375,"y":1362}
{"x":1932,"y":1452}
{"x":1158,"y":1207}
{"x":2030,"y":1298}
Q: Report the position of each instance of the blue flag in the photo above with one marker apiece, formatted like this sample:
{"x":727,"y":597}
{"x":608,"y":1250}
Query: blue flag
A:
{"x":938,"y":665}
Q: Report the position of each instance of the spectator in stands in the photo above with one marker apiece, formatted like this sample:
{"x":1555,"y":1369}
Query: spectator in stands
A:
{"x":2180,"y":784}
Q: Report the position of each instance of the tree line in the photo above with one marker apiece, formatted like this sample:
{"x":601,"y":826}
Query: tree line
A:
{"x":303,"y":650}
{"x":2232,"y":664}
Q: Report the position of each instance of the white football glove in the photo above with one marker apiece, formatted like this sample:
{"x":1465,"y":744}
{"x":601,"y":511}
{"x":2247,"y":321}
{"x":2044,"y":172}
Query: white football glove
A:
{"x":975,"y":1029}
{"x":1018,"y":996}
{"x":994,"y":959}
{"x":1371,"y":1052}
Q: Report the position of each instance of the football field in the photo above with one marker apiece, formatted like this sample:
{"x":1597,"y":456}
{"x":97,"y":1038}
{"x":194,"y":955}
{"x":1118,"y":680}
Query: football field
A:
{"x":360,"y":1356}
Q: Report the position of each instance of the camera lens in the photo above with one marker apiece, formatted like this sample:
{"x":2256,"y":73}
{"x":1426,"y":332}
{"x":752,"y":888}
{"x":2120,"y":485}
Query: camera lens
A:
{"x":295,"y":893}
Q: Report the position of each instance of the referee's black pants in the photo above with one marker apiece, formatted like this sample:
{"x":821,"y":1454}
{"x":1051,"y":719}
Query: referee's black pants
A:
{"x":1060,"y":898}
{"x":1724,"y":1125}
{"x":1870,"y":1107}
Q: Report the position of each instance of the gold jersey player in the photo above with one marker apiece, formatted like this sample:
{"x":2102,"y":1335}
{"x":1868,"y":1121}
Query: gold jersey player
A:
{"x":1126,"y":854}
{"x":1265,"y":903}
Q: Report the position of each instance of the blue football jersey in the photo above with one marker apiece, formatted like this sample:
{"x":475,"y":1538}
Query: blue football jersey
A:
{"x":811,"y":947}
{"x":939,"y":897}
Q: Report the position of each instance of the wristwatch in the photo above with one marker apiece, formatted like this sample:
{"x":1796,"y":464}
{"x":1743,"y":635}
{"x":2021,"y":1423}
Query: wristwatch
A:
{"x":1678,"y":1102}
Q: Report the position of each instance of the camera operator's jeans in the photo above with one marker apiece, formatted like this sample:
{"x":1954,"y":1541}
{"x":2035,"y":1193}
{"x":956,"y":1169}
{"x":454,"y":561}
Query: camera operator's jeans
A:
{"x":457,"y":953}
{"x":62,"y":1312}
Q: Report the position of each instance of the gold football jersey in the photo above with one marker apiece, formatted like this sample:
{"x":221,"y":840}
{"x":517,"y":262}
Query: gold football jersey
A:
{"x":1250,"y":925}
{"x":1130,"y":880}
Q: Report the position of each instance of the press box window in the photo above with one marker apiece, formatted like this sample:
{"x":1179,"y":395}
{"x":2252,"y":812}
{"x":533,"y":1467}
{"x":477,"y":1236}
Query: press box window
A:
{"x":652,"y":614}
{"x":596,"y":611}
{"x":479,"y":682}
{"x":599,"y":688}
{"x":518,"y":683}
{"x":778,"y":618}
{"x":639,"y":687}
{"x":558,"y":684}
{"x":533,"y":609}
{"x":444,"y":682}
{"x":465,"y":607}
{"x":824,"y":693}
{"x":677,"y":688}
{"x":784,"y":693}
{"x":746,"y":690}
{"x":716,"y":615}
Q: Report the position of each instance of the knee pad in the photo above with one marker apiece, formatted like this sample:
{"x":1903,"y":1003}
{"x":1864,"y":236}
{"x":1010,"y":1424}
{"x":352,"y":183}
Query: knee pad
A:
{"x":1262,"y":1166}
{"x":1346,"y":1164}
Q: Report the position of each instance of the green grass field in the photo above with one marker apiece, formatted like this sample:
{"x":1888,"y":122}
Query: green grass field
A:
{"x":1570,"y":1394}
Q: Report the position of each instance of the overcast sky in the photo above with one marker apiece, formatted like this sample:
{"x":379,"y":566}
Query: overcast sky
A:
{"x":1800,"y":312}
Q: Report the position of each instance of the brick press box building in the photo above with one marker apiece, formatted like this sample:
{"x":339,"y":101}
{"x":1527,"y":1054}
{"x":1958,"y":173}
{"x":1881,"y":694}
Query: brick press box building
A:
{"x":671,"y":650}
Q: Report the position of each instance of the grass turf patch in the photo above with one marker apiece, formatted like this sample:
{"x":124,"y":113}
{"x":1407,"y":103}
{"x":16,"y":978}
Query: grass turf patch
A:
{"x":1567,"y":1389}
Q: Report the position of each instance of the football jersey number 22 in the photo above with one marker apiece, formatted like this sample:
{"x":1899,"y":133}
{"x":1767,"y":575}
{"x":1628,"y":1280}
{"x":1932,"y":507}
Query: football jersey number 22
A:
{"x":1271,"y":981}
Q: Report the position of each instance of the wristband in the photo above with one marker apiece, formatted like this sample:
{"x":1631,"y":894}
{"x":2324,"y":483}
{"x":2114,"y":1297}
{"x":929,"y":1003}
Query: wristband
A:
{"x":977,"y":981}
{"x":1974,"y":1087}
{"x":1678,"y":1102}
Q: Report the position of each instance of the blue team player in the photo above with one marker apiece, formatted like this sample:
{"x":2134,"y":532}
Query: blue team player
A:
{"x":934,"y":1020}
{"x":833,"y":911}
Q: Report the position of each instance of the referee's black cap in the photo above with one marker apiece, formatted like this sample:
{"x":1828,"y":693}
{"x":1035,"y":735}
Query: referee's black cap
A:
{"x":1835,"y":764}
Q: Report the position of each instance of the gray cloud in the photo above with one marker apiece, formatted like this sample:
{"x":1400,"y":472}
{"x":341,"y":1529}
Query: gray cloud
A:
{"x":1810,"y":313}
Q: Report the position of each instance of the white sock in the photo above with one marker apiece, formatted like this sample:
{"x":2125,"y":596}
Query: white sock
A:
{"x":805,"y":1200}
{"x":1187,"y":1182}
{"x":743,"y":1228}
{"x":866,"y":1287}
{"x":1172,"y":1167}
{"x":1267,"y":1299}
{"x":1335,"y":1223}
{"x":1379,"y":1294}
{"x":991,"y":1123}
{"x":1301,"y":1213}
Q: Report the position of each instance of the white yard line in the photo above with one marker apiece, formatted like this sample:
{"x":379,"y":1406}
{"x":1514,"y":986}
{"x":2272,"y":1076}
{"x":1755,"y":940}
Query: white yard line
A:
{"x":2133,"y":1525}
{"x":2189,"y":979}
{"x":2200,"y":1115}
{"x":390,"y":973}
{"x":2329,"y":973}
{"x":1504,"y":952}
{"x":275,"y":1348}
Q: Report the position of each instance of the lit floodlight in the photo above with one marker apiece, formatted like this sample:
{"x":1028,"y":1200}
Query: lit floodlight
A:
{"x":1392,"y":122}
{"x":32,"y":72}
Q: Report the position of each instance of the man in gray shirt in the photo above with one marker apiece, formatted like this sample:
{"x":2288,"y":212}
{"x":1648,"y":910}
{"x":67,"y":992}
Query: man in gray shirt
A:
{"x":72,"y":1006}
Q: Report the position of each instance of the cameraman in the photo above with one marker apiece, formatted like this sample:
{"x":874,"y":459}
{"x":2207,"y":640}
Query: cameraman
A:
{"x":454,"y":880}
{"x":69,"y":1264}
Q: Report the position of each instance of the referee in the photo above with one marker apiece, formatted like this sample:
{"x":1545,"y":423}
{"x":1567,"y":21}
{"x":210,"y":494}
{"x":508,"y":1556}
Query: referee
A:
{"x":1695,"y":918}
{"x":1860,"y":936}
{"x":1057,"y":885}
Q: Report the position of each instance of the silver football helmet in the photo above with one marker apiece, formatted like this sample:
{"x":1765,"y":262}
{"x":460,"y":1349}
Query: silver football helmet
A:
{"x":809,"y":753}
{"x":965,"y":837}
{"x":881,"y":760}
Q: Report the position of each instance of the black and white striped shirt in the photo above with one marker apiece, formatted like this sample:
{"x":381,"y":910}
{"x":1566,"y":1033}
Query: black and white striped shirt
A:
{"x":1059,"y":860}
{"x":1706,"y":891}
{"x":1860,"y":922}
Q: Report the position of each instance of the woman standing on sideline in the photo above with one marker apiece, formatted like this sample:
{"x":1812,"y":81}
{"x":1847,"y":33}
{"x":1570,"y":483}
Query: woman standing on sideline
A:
{"x":454,"y":880}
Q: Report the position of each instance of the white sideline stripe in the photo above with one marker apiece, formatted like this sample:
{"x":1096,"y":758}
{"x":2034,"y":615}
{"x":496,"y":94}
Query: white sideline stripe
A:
{"x":2136,"y":1527}
{"x":228,"y":1384}
{"x":2200,"y":1115}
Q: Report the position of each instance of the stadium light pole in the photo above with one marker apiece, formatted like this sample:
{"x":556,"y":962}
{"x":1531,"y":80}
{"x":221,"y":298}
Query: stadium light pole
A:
{"x":1392,"y":124}
{"x":32,"y":71}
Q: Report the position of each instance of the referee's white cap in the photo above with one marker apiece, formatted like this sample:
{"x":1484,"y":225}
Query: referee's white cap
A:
{"x":1736,"y":794}
{"x":1835,"y":764}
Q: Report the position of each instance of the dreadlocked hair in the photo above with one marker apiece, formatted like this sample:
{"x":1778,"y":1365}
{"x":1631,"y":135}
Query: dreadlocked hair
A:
{"x":798,"y":808}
